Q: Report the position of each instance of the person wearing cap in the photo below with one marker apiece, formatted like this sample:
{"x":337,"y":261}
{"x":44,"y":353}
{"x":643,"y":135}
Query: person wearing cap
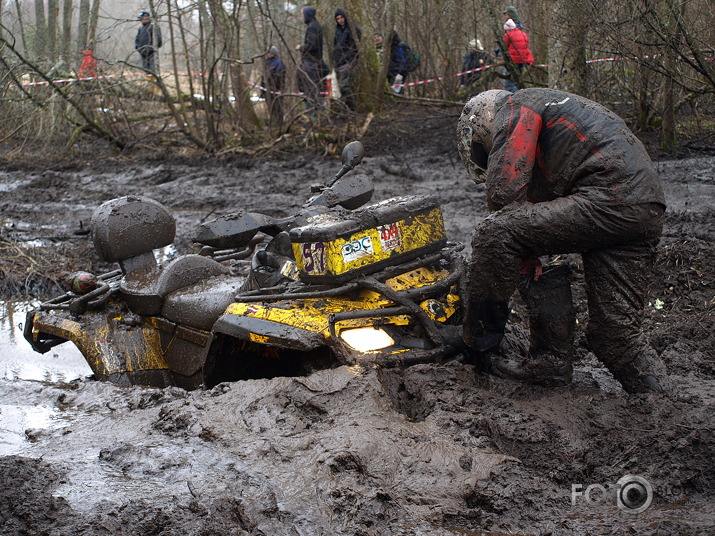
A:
{"x":511,"y":13}
{"x":516,"y":41}
{"x":273,"y":82}
{"x":476,"y":58}
{"x":147,"y":41}
{"x":345,"y":55}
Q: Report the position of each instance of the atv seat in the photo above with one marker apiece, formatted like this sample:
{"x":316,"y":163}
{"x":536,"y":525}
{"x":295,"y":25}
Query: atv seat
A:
{"x":200,"y":306}
{"x":127,"y":230}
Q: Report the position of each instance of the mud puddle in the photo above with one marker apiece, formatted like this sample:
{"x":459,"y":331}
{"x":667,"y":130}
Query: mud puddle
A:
{"x":429,"y":450}
{"x":18,"y":361}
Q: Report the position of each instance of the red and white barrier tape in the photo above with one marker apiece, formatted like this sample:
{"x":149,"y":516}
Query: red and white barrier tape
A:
{"x":299,"y":94}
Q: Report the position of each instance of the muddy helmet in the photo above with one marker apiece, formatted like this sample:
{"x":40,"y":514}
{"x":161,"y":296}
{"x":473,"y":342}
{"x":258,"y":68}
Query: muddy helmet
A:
{"x":474,"y":132}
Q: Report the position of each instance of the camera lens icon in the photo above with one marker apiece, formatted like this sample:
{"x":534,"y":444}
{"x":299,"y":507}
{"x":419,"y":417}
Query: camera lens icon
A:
{"x":634,"y":494}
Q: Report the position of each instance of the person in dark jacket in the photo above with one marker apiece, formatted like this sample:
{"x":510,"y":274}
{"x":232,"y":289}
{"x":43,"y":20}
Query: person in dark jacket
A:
{"x":563,"y":174}
{"x":274,"y":82}
{"x":397,"y":70}
{"x":310,"y":71}
{"x":476,"y":58}
{"x":147,"y":41}
{"x":345,"y":55}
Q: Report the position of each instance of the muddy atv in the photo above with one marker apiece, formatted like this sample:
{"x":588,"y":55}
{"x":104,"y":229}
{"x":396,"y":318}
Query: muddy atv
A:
{"x":341,"y":282}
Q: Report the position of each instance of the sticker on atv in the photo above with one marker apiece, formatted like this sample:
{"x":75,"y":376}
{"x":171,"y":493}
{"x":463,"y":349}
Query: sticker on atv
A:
{"x":357,"y":249}
{"x":389,"y":236}
{"x":314,"y":260}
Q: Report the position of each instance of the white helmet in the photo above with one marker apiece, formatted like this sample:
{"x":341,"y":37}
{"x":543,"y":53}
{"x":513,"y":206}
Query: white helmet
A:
{"x":475,"y":132}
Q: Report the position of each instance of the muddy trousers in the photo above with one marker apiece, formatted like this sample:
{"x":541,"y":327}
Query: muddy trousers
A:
{"x":309,"y":84}
{"x":617,"y":245}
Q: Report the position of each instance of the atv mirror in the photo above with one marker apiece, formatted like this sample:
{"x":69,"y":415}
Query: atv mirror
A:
{"x":353,"y":153}
{"x":352,"y":156}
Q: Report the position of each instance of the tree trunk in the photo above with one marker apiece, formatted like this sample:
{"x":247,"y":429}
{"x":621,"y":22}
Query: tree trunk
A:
{"x":93,"y":20}
{"x":567,"y":52}
{"x":52,"y":14}
{"x":82,"y":30}
{"x":67,"y":30}
{"x":22,"y":26}
{"x":40,"y":29}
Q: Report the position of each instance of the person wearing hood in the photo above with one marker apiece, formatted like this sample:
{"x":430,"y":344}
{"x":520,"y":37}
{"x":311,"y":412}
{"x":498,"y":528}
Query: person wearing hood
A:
{"x":345,"y":55}
{"x":273,"y":82}
{"x":397,"y":70}
{"x":311,"y":67}
{"x":147,"y":41}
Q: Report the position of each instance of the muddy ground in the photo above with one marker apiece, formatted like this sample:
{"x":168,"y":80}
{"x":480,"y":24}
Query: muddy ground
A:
{"x":430,"y":450}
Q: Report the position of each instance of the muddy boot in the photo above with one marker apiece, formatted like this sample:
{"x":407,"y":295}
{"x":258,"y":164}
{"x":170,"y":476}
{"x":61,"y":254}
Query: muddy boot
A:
{"x":552,"y":321}
{"x":483,"y":331}
{"x":645,"y":374}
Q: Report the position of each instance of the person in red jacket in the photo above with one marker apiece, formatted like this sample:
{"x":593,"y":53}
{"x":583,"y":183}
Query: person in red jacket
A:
{"x":516,"y":42}
{"x":88,"y":68}
{"x":563,"y":174}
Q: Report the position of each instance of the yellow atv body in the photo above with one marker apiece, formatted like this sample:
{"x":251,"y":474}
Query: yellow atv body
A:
{"x":371,"y":285}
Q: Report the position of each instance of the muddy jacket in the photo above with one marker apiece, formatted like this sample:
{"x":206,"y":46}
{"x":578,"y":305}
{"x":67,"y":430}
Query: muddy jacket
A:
{"x":345,"y":47}
{"x":517,"y":42}
{"x":312,"y":47}
{"x":550,"y":144}
{"x":148,"y":39}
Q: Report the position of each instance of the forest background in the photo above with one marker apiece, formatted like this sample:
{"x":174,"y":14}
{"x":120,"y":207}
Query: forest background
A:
{"x":650,"y":59}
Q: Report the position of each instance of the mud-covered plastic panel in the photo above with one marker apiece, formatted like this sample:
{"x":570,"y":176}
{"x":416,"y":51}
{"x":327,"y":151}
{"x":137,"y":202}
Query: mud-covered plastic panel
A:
{"x":267,"y":332}
{"x":129,"y":226}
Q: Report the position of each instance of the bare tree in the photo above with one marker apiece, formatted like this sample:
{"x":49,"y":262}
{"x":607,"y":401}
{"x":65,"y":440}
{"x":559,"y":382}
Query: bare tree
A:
{"x":40,"y":29}
{"x":66,"y":29}
{"x":83,"y":29}
{"x":567,"y":46}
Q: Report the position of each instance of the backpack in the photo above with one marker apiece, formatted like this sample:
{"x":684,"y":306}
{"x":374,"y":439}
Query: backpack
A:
{"x":412,"y":59}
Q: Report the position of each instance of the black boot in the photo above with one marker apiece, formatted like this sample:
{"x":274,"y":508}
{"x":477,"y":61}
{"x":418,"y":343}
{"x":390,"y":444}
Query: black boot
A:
{"x":645,"y":374}
{"x":483,"y":331}
{"x":552,"y":321}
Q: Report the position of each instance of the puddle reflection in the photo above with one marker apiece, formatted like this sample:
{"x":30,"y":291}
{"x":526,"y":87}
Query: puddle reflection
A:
{"x":18,"y":361}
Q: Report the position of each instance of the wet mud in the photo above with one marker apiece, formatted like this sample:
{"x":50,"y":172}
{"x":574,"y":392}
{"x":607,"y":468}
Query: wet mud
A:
{"x":427,"y":450}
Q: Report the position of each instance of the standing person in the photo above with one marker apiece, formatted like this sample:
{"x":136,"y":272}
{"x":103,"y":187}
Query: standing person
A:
{"x":517,"y":44}
{"x":397,"y":70}
{"x":311,"y":65}
{"x":474,"y":59}
{"x":345,"y":55}
{"x":274,"y":82}
{"x":147,"y":42}
{"x":563,"y":174}
{"x":378,"y":45}
{"x":88,"y":68}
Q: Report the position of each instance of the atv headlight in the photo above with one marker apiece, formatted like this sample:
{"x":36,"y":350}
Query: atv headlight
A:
{"x":367,"y":339}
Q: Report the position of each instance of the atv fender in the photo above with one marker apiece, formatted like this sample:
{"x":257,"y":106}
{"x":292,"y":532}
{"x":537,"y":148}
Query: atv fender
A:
{"x":267,"y":332}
